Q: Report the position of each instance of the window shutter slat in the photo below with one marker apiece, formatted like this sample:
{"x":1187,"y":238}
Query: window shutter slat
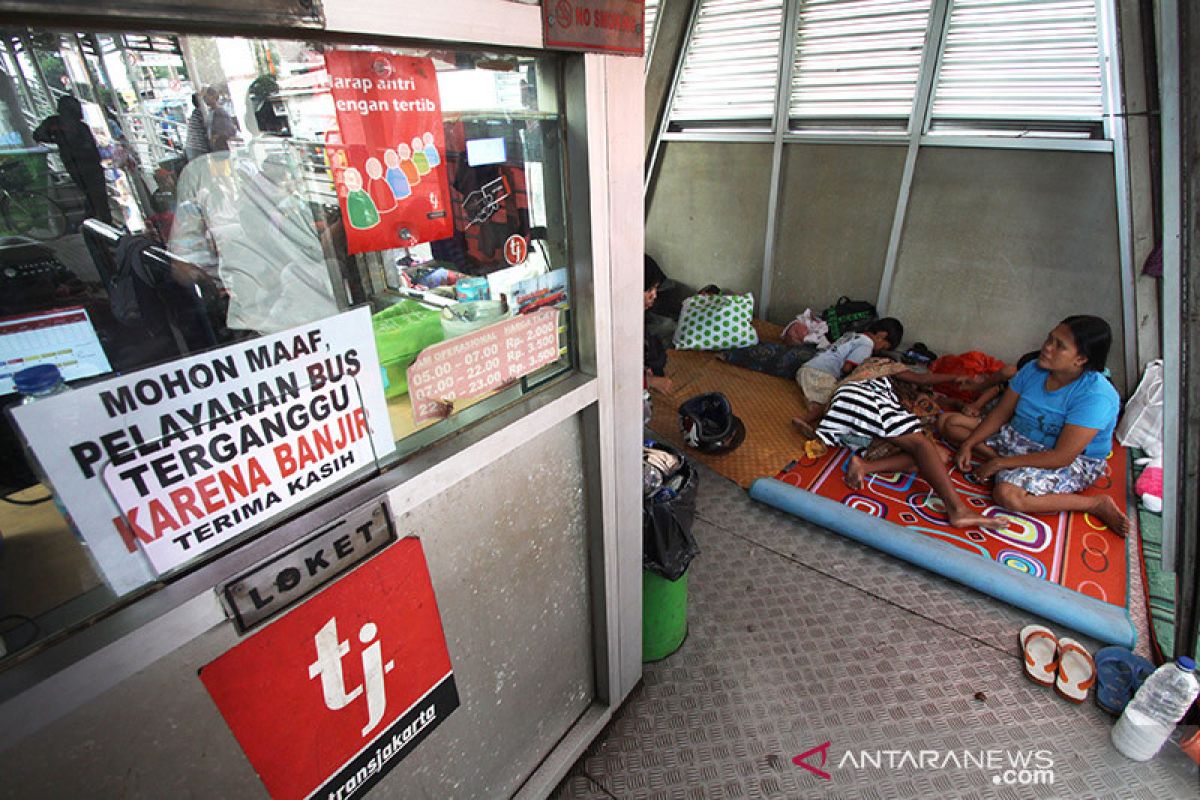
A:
{"x":857,"y":63}
{"x":731,"y":65}
{"x":1028,"y":63}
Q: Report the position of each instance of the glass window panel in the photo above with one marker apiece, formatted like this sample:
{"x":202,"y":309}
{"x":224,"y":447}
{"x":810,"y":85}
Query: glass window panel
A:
{"x":251,"y":184}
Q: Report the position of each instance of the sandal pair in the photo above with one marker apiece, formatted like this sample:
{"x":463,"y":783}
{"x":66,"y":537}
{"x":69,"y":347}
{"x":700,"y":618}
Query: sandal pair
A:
{"x":1119,"y":673}
{"x":1063,"y":664}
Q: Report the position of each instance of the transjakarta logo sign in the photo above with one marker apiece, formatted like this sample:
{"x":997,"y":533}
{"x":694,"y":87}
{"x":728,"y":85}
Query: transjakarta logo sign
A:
{"x":335,"y":693}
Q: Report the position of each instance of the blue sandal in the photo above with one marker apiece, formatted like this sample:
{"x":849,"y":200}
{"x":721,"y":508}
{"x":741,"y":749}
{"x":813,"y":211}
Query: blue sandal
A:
{"x":1118,"y":675}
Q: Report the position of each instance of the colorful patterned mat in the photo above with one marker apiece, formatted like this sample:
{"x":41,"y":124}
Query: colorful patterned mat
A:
{"x":1075,"y":551}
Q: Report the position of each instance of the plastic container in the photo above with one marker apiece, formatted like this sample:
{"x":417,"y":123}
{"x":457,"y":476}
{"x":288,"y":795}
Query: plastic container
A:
{"x":471,"y":289}
{"x":664,"y":615}
{"x":463,"y":318}
{"x":34,"y":384}
{"x":1159,"y":704}
{"x":402,"y":331}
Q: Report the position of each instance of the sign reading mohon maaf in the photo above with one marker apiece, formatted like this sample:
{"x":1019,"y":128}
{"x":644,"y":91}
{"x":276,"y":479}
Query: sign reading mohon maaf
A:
{"x":330,"y":697}
{"x":198,"y":451}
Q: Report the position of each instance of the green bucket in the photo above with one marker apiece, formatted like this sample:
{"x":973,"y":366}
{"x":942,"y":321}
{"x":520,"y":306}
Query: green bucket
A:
{"x":664,"y":615}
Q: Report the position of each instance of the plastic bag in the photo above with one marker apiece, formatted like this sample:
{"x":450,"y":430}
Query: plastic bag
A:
{"x":1142,"y":424}
{"x":806,"y":328}
{"x":668,"y":546}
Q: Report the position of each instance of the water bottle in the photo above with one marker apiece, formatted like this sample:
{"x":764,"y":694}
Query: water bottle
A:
{"x":1150,"y":717}
{"x":34,"y":384}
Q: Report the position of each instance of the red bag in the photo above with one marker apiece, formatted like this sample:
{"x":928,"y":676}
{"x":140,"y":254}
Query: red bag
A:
{"x":972,"y":362}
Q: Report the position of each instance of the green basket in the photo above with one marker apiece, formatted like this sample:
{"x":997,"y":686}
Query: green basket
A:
{"x":664,"y":615}
{"x":402,"y":331}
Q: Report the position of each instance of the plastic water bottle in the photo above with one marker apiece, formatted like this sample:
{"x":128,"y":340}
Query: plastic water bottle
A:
{"x":1150,"y":717}
{"x":34,"y":384}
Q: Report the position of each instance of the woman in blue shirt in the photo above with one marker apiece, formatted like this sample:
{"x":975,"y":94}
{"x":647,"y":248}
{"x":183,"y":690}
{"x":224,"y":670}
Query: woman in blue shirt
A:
{"x":1051,"y":433}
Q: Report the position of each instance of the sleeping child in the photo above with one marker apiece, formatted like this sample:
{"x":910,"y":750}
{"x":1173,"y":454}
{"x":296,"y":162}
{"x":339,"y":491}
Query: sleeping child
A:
{"x":820,"y":375}
{"x":862,"y":411}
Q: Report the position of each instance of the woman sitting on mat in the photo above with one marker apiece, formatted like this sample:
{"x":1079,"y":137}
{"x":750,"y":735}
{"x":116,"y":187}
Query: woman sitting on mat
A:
{"x":862,"y":411}
{"x":1050,"y":434}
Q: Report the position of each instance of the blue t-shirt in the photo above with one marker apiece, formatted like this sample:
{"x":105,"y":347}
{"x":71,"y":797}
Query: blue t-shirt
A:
{"x":853,"y":347}
{"x":1089,"y":401}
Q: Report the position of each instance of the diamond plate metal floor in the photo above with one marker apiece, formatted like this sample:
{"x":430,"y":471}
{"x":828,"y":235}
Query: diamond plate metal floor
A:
{"x":800,"y":637}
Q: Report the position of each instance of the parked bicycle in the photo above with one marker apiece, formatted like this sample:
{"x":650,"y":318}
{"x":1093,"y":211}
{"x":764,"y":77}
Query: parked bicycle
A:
{"x":28,"y":213}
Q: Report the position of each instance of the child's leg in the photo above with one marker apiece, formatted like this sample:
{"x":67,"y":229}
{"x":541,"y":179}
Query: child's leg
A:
{"x":933,"y":469}
{"x":806,"y":423}
{"x":859,"y":468}
{"x":955,"y":428}
{"x":1102,"y":506}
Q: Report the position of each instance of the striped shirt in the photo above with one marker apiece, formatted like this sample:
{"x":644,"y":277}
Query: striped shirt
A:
{"x":865,"y":410}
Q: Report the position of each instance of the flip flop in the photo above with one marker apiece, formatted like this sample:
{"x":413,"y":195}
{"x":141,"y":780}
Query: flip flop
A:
{"x":1076,"y":671}
{"x":1039,"y":646}
{"x":1119,"y":673}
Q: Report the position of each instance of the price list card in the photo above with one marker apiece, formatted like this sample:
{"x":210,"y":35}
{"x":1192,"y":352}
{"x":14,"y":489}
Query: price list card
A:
{"x":481,"y":362}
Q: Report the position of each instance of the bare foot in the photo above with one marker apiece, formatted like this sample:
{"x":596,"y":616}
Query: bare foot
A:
{"x":856,"y":470}
{"x":805,"y":427}
{"x":1107,"y":511}
{"x":963,"y":517}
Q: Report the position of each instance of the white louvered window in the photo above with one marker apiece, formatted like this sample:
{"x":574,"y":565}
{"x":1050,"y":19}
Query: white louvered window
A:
{"x":856,"y":65}
{"x":1020,"y":68}
{"x":648,"y":22}
{"x":731,"y":67}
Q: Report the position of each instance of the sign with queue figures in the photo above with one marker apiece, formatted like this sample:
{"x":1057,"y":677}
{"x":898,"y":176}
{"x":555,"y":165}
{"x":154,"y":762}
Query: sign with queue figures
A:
{"x":387,"y":156}
{"x":595,"y":26}
{"x":196,"y":451}
{"x":331,"y":696}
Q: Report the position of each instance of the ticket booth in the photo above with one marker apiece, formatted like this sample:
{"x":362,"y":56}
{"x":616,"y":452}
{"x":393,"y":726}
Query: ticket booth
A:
{"x":320,"y":421}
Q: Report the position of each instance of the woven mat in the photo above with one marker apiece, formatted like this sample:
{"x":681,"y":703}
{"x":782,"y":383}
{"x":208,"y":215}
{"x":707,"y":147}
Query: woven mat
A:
{"x":764,"y":403}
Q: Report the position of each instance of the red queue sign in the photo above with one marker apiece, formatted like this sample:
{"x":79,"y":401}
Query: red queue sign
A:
{"x":595,"y":26}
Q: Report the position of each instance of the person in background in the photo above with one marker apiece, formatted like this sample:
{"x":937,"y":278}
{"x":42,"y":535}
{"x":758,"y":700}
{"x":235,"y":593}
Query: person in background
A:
{"x":221,"y":125}
{"x":196,"y":141}
{"x":654,"y":354}
{"x":1050,"y":435}
{"x":80,"y":155}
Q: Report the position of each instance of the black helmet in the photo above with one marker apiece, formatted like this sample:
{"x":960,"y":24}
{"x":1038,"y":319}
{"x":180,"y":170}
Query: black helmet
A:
{"x":708,"y":424}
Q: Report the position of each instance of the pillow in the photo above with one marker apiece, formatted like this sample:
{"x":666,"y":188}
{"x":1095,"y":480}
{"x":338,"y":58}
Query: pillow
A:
{"x":775,"y":359}
{"x":716,"y":322}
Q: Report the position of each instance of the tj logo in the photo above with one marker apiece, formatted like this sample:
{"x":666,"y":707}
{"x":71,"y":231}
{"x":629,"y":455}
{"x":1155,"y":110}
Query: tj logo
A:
{"x":333,"y":683}
{"x":823,"y":749}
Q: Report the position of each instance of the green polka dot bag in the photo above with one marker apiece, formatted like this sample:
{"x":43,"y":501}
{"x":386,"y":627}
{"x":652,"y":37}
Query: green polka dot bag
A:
{"x":716,"y":322}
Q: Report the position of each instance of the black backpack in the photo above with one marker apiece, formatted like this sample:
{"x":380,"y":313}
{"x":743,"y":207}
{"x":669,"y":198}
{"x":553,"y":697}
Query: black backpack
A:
{"x":848,"y":315}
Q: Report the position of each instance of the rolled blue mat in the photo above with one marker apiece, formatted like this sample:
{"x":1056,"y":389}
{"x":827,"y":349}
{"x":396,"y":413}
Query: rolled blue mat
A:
{"x":1087,"y":615}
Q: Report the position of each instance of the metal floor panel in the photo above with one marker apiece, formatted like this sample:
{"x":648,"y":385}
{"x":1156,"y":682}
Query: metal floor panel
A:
{"x":800,"y":637}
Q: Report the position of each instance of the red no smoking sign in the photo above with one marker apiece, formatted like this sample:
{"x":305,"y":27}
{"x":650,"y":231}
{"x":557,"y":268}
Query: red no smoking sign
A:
{"x":329,"y":698}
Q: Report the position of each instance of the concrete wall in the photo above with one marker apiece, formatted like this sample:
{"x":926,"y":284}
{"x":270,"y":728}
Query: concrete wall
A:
{"x":999,"y":245}
{"x":835,"y":214}
{"x":707,"y":220}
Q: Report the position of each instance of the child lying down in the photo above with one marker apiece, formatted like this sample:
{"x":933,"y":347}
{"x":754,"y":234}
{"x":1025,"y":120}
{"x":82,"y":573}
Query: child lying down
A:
{"x":862,"y":411}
